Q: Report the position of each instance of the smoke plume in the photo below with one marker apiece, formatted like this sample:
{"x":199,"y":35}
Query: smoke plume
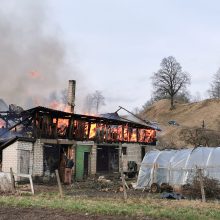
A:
{"x":33,"y":60}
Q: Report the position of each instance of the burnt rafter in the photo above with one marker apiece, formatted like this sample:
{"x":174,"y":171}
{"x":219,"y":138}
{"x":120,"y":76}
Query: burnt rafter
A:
{"x":42,"y":122}
{"x":88,"y":118}
{"x":13,"y":120}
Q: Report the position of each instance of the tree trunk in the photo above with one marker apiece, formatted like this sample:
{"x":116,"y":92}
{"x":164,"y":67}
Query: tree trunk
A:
{"x":172,"y":103}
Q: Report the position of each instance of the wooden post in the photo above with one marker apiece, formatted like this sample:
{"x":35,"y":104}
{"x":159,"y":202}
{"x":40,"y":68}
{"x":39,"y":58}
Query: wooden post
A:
{"x":155,"y":173}
{"x":32,"y":185}
{"x":59,"y":183}
{"x":34,"y":126}
{"x":123,"y":130}
{"x":89,"y":128}
{"x":71,"y":125}
{"x":122,"y":173}
{"x":56,"y":127}
{"x":137,"y":134}
{"x":12,"y":181}
{"x":201,"y":184}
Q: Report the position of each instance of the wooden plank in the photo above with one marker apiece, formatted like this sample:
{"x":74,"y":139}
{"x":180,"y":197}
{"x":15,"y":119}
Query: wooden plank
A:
{"x":89,"y":128}
{"x":155,"y":166}
{"x":32,"y":185}
{"x":71,"y":125}
{"x":30,"y":180}
{"x":22,"y":175}
{"x":122,"y":173}
{"x":137,"y":134}
{"x":123,"y":128}
{"x":202,"y":185}
{"x":59,"y":183}
{"x":34,"y":125}
{"x":12,"y":181}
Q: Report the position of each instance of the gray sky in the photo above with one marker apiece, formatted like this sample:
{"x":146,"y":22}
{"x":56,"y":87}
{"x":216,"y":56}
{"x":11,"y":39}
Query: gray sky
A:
{"x":115,"y":45}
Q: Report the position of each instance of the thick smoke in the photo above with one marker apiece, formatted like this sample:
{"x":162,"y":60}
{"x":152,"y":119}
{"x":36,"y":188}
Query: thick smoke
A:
{"x":33,"y":60}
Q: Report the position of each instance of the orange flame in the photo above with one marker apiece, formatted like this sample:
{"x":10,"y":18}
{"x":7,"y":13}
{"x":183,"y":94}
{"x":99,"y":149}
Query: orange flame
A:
{"x":59,"y":106}
{"x":35,"y":75}
{"x":56,"y":105}
{"x":92,"y":131}
{"x":2,"y":123}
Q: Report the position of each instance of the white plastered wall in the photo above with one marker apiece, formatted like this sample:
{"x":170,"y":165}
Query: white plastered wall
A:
{"x":133,"y":154}
{"x":38,"y":163}
{"x":10,"y":158}
{"x":12,"y":154}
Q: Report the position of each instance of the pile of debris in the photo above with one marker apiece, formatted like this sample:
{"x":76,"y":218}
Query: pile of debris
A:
{"x":192,"y":190}
{"x":104,"y":184}
{"x":5,"y":182}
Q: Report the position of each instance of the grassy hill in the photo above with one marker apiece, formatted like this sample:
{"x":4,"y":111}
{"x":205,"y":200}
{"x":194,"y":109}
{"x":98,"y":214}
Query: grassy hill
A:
{"x":187,"y":115}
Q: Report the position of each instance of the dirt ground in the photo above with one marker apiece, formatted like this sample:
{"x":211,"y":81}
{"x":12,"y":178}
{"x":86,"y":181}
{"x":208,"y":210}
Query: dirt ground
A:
{"x":36,"y":214}
{"x":91,"y":188}
{"x":88,"y":189}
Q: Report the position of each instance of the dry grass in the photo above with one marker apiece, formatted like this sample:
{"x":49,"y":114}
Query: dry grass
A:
{"x":187,"y":115}
{"x":155,"y":208}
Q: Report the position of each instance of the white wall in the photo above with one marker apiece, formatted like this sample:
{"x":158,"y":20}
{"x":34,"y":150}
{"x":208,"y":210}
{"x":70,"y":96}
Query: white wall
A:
{"x":133,"y":154}
{"x":38,"y":163}
{"x":93,"y":159}
{"x":12,"y":154}
{"x":10,"y":158}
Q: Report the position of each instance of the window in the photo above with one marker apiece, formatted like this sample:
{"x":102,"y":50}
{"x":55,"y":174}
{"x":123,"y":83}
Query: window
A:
{"x":124,"y":150}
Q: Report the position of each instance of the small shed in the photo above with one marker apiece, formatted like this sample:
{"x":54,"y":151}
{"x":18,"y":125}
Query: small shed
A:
{"x":18,"y":155}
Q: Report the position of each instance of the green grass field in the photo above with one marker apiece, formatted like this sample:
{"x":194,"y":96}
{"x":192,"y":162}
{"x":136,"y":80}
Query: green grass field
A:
{"x":155,"y":208}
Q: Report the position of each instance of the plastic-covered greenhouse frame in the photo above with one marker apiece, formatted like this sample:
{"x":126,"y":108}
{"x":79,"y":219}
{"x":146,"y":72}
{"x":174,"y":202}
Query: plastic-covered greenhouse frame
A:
{"x":174,"y":167}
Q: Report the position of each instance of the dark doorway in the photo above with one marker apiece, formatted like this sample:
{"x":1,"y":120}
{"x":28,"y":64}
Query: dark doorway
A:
{"x":86,"y":164}
{"x":51,"y":158}
{"x":107,"y":158}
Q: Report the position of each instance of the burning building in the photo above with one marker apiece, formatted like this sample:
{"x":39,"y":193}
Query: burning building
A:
{"x":34,"y":141}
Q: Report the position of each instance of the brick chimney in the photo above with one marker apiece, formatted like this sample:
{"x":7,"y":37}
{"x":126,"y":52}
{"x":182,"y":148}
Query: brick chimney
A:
{"x":71,"y":95}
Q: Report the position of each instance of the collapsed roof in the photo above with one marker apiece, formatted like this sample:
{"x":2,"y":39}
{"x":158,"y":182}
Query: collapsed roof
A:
{"x":42,"y":122}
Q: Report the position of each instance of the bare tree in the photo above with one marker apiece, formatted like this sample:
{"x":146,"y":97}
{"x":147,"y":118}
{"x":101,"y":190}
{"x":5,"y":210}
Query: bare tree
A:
{"x":196,"y":97}
{"x":148,"y":103}
{"x":200,"y":136}
{"x":98,"y":100}
{"x":170,"y":79}
{"x":214,"y":91}
{"x":136,"y":111}
{"x":94,"y":100}
{"x":183,"y":96}
{"x":168,"y":143}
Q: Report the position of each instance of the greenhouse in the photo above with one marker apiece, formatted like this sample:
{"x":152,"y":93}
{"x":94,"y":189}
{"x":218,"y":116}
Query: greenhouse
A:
{"x":174,"y":167}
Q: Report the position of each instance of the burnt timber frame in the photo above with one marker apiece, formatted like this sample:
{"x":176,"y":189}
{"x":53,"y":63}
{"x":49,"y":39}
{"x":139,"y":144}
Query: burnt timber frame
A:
{"x":42,"y":122}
